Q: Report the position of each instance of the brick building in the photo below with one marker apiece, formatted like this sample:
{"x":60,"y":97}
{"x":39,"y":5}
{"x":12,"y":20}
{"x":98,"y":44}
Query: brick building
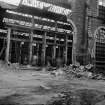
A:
{"x":89,"y":38}
{"x":73,"y":31}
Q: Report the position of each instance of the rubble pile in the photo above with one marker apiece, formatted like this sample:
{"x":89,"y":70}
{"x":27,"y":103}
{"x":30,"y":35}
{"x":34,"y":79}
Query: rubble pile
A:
{"x":74,"y":71}
{"x":8,"y":66}
{"x":69,"y":72}
{"x":79,"y":71}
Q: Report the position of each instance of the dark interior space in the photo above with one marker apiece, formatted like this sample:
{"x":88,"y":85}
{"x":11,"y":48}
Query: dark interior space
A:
{"x":2,"y":48}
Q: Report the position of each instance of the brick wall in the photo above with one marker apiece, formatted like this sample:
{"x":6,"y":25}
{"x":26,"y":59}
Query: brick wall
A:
{"x":80,"y":39}
{"x":84,"y":13}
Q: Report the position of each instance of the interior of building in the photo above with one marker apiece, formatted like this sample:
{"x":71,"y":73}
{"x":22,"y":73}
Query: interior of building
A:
{"x":37,"y":31}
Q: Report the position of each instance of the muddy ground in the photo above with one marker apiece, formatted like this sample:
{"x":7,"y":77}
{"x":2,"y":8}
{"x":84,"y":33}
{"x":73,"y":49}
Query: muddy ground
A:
{"x":29,"y":87}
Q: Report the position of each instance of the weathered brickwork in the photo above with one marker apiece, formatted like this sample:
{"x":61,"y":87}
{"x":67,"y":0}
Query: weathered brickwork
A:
{"x":92,"y":13}
{"x":84,"y":16}
{"x":78,"y":17}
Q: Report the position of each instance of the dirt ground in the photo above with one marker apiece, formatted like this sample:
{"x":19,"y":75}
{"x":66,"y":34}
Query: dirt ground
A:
{"x":37,"y":87}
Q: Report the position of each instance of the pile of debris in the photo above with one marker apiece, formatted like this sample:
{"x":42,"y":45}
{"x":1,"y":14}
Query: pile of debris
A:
{"x":74,"y":71}
{"x":79,"y":71}
{"x":8,"y":66}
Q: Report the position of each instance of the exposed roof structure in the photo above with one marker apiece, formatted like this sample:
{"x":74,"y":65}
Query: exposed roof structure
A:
{"x":43,"y":17}
{"x":41,"y":13}
{"x":62,"y":3}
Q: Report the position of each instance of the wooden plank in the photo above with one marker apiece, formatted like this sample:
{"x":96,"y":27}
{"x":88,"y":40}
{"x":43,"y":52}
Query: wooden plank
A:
{"x":44,"y":48}
{"x":37,"y":21}
{"x":54,"y":48}
{"x":27,"y":29}
{"x":8,"y":45}
{"x":66,"y":48}
{"x":31,"y":41}
{"x":34,"y":41}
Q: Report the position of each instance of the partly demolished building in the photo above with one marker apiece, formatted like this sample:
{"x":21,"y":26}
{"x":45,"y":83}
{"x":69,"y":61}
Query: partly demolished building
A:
{"x":73,"y":30}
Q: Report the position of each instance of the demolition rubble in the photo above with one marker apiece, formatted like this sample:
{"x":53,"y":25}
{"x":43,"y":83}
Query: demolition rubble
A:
{"x":79,"y":72}
{"x":68,"y":72}
{"x":68,"y":85}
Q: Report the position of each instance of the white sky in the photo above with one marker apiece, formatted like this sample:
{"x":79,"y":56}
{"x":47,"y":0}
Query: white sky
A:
{"x":14,"y":2}
{"x":101,"y":2}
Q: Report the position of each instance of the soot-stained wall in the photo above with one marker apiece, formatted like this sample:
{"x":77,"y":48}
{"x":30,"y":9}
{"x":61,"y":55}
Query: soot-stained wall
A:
{"x":84,"y":16}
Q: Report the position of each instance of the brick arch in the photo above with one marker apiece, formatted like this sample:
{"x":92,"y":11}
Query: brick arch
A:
{"x":74,"y":38}
{"x":95,"y":32}
{"x":99,"y":46}
{"x":81,"y":9}
{"x":98,"y":29}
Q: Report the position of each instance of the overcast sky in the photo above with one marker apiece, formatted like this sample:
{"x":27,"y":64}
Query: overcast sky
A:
{"x":16,"y":2}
